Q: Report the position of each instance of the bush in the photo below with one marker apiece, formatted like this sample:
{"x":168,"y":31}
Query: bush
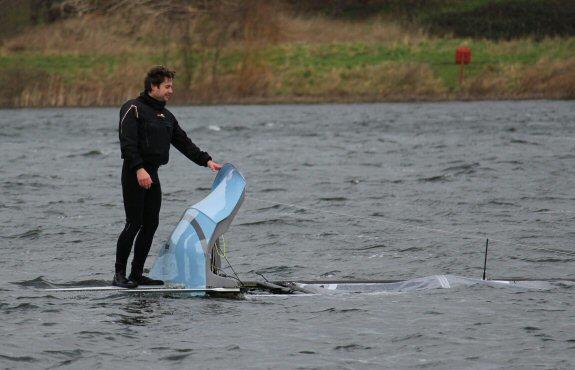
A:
{"x":505,"y":19}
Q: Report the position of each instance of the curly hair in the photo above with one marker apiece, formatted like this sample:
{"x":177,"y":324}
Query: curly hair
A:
{"x":156,"y":76}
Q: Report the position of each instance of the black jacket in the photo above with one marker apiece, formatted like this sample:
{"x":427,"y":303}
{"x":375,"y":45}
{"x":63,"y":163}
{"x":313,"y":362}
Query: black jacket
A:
{"x":147,"y":129}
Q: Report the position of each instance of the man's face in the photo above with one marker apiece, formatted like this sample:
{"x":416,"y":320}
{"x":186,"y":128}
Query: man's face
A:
{"x":164,"y":91}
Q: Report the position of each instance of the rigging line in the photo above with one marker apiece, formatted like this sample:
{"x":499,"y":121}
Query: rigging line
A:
{"x":226,"y":275}
{"x":538,"y":211}
{"x":551,"y":211}
{"x":555,"y":211}
{"x":232,"y":268}
{"x":532,"y":210}
{"x":218,"y":251}
{"x":341,"y":236}
{"x":568,"y":253}
{"x":291,"y":213}
{"x":381,"y":219}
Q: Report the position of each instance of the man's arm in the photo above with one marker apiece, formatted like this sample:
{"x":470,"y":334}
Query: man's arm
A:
{"x":129,"y":144}
{"x":129,"y":137}
{"x":183,"y":143}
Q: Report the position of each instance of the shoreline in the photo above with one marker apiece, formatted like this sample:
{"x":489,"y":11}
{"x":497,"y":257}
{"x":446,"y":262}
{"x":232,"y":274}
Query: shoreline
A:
{"x":256,"y":102}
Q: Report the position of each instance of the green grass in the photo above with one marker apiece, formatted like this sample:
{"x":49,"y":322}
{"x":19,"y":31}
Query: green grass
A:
{"x":67,"y":66}
{"x":437,"y":53}
{"x":316,"y":60}
{"x":301,"y":69}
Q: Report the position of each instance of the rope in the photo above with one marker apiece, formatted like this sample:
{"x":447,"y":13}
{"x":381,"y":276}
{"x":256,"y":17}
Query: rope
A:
{"x":223,"y":273}
{"x":234,"y":271}
{"x":219,"y":252}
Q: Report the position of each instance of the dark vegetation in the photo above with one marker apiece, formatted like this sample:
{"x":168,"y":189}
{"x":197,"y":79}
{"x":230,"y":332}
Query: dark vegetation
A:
{"x":509,"y":19}
{"x":491,"y":19}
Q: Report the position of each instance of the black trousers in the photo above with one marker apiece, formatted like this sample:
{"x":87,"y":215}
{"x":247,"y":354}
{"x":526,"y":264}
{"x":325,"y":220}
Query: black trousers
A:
{"x":142,"y":208}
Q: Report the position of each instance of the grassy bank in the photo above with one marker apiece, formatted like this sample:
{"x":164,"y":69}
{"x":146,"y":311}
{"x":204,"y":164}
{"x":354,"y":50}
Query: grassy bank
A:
{"x":335,"y":72}
{"x":87,"y":62}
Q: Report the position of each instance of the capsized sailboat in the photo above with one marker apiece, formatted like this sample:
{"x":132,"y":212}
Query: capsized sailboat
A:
{"x":190,"y":261}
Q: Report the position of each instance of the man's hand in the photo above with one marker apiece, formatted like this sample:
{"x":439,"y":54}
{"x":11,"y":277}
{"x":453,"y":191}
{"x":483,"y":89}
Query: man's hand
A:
{"x":144,"y":178}
{"x":214,"y":166}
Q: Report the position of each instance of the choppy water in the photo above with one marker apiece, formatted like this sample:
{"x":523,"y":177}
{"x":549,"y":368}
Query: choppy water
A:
{"x":466,"y":170}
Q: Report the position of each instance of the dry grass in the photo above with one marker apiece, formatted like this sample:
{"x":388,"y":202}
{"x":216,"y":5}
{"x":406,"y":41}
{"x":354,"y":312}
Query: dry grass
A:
{"x":89,"y":34}
{"x":492,"y":82}
{"x":249,"y":81}
{"x":266,"y":23}
{"x":38,"y":88}
{"x":323,"y":30}
{"x":550,"y":79}
{"x":387,"y":81}
{"x":412,"y":80}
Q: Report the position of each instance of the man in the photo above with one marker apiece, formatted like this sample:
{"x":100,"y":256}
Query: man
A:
{"x":146,"y":130}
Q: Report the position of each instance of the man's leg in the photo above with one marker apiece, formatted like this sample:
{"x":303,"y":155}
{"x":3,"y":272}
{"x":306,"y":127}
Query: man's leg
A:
{"x":124,"y":246}
{"x":134,"y":200}
{"x":151,"y":217}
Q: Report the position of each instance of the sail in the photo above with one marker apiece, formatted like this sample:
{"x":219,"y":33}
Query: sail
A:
{"x":189,"y":257}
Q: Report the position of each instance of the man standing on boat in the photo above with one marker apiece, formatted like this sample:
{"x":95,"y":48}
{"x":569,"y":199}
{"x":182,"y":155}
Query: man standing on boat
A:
{"x":146,"y":130}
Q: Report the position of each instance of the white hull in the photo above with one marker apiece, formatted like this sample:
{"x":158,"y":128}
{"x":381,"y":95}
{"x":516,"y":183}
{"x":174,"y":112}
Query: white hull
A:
{"x":143,"y":289}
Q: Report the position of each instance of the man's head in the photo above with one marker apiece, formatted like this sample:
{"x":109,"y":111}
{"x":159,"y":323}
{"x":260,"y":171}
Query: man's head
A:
{"x":159,"y":83}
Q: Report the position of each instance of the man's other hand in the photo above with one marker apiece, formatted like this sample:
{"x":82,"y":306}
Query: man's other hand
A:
{"x":144,"y":178}
{"x":214,"y":166}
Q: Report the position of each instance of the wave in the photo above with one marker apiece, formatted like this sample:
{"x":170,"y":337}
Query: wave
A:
{"x":41,"y":283}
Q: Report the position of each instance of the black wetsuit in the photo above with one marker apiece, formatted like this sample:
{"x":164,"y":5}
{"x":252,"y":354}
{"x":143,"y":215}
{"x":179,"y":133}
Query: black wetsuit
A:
{"x":146,"y":130}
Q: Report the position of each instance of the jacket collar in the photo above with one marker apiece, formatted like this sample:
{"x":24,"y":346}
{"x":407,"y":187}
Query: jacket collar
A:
{"x":147,"y":99}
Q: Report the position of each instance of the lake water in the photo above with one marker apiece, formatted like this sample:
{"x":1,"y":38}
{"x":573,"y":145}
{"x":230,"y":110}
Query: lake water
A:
{"x":391,"y":191}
